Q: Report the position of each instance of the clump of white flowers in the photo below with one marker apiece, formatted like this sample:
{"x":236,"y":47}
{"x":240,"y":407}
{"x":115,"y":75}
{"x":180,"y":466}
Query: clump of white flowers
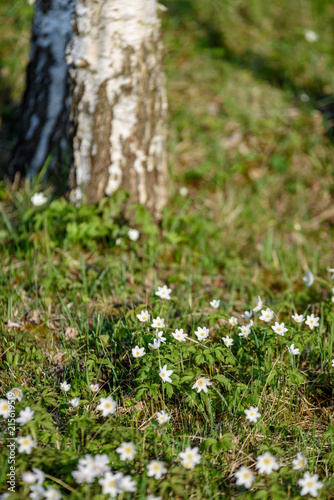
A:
{"x":190,"y":457}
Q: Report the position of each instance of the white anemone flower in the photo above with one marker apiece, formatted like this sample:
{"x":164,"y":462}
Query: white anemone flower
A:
{"x":64,"y":386}
{"x":299,"y":462}
{"x":299,"y":318}
{"x":4,"y":408}
{"x":26,"y":444}
{"x":310,"y":484}
{"x":138,"y":352}
{"x":259,"y":304}
{"x":84,"y":473}
{"x":247,"y":314}
{"x":158,"y":323}
{"x":37,"y":492}
{"x":311,"y":36}
{"x":143,"y":316}
{"x":165,"y":374}
{"x":202,"y":333}
{"x":160,"y":336}
{"x":107,"y":405}
{"x":15,"y":394}
{"x":312,"y":321}
{"x":244,"y":330}
{"x":28,"y":477}
{"x":245,"y":477}
{"x":164,"y":292}
{"x":162,"y":417}
{"x":133,"y":234}
{"x":227,"y":341}
{"x":293,"y":350}
{"x":266,"y":315}
{"x":279,"y":328}
{"x":74,"y":402}
{"x":156,"y":344}
{"x":202,"y":384}
{"x":156,"y":469}
{"x":266,"y":463}
{"x":128,"y":484}
{"x":39,"y":474}
{"x":127,"y":451}
{"x":94,"y":387}
{"x":101,"y":464}
{"x":38,"y":199}
{"x":253,"y":414}
{"x":308,"y":279}
{"x":179,"y":335}
{"x":111,"y":484}
{"x":233,"y":321}
{"x":215,"y":304}
{"x":52,"y":493}
{"x":25,"y":416}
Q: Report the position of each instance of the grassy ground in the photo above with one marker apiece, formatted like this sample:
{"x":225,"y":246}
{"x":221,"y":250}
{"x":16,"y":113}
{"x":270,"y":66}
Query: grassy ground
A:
{"x":255,"y":155}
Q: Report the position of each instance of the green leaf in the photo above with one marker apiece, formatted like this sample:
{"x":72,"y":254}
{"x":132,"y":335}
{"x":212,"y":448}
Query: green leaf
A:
{"x":224,"y":381}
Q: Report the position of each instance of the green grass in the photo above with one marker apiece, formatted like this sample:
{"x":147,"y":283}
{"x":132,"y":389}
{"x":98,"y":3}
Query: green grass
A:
{"x":258,"y":166}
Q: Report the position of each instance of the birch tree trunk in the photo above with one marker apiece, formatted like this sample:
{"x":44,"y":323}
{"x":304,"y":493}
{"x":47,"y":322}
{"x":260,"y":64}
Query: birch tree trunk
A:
{"x":113,"y":82}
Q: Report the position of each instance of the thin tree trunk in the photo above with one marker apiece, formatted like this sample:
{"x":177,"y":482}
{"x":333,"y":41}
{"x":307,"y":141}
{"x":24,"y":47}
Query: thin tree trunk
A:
{"x":113,"y":82}
{"x":44,"y":125}
{"x":119,"y":101}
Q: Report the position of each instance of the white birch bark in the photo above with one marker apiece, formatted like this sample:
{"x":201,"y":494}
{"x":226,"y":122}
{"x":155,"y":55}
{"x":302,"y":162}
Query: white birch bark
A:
{"x":119,"y":101}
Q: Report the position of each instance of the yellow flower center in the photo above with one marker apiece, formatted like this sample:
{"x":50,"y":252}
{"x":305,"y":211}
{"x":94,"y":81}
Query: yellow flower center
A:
{"x":201,"y":382}
{"x":156,"y":467}
{"x":246,"y":475}
{"x":163,"y":374}
{"x":128,"y":450}
{"x":112,"y":484}
{"x":16,"y":392}
{"x":190,"y":456}
{"x":267,"y":461}
{"x":107,"y":405}
{"x":310,"y":484}
{"x":26,"y":441}
{"x":301,"y":463}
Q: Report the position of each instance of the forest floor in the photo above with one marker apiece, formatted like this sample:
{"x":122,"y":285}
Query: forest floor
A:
{"x":251,"y":213}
